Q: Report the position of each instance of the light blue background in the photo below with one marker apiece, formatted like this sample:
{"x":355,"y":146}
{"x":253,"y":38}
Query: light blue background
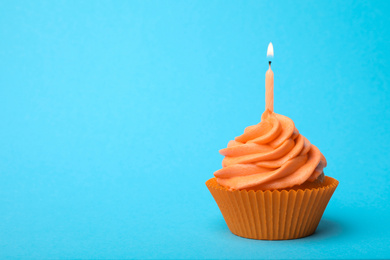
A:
{"x":112,"y":114}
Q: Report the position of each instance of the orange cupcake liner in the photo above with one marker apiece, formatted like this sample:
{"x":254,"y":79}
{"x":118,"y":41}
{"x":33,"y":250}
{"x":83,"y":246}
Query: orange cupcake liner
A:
{"x":273,"y":215}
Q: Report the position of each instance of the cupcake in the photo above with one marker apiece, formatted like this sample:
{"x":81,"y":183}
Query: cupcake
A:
{"x":272,"y":185}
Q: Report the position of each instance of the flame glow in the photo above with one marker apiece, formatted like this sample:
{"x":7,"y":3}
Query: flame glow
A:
{"x":270,"y":50}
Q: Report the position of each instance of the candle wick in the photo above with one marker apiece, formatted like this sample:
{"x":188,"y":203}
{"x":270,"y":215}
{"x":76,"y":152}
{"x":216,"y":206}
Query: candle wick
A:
{"x":269,"y":63}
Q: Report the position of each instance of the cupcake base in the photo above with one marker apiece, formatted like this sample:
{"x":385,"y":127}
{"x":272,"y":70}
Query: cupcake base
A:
{"x":273,"y":215}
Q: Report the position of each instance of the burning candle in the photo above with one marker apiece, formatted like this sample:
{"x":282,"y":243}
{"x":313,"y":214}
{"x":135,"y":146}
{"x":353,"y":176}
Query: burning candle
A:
{"x":269,"y":82}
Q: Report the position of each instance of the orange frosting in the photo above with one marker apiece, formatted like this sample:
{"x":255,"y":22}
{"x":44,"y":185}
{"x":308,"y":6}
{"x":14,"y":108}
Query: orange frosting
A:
{"x":270,"y":155}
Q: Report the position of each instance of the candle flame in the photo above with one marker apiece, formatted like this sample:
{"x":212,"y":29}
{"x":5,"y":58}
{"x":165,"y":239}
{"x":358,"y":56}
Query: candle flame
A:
{"x":270,"y":50}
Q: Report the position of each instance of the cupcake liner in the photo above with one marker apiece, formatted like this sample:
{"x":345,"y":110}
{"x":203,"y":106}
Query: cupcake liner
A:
{"x":273,"y":215}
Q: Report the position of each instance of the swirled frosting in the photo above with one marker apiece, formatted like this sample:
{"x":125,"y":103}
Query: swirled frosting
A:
{"x":270,"y":155}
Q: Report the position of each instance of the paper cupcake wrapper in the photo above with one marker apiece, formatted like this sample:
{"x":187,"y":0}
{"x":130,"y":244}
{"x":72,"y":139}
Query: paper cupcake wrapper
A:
{"x":273,"y":215}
